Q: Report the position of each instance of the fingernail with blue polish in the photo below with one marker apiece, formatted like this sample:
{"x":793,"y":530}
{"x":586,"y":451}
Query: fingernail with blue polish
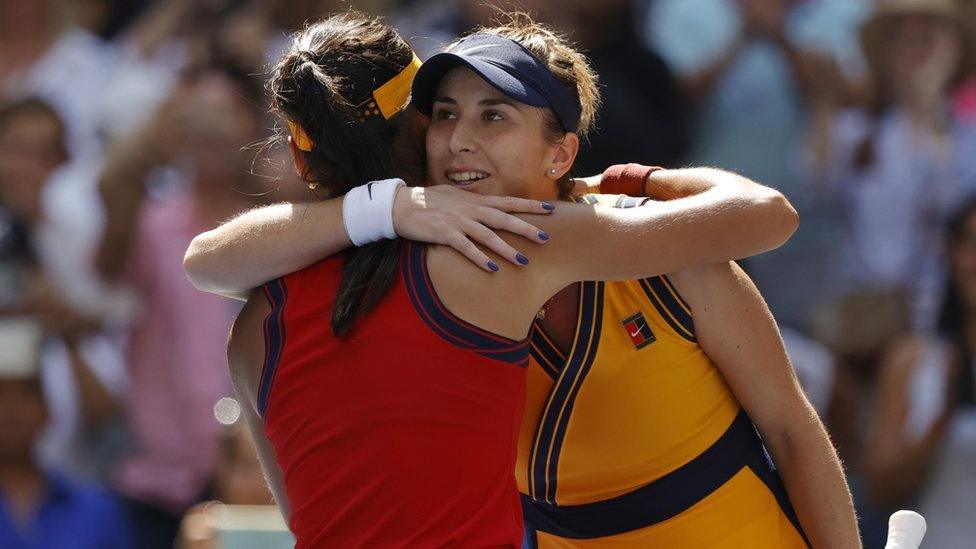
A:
{"x":548,"y":206}
{"x":493,"y":266}
{"x":521,"y":259}
{"x":543,"y":236}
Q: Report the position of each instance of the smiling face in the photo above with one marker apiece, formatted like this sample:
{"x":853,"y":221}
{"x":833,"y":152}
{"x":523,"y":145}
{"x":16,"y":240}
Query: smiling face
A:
{"x":482,"y":141}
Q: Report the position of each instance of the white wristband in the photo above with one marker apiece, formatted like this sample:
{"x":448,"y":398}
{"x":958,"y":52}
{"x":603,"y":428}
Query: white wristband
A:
{"x":367,"y":211}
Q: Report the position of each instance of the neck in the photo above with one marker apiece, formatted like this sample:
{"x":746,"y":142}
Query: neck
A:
{"x":547,"y":191}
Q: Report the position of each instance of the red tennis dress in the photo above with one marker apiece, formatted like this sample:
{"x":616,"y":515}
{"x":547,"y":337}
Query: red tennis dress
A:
{"x":402,"y":434}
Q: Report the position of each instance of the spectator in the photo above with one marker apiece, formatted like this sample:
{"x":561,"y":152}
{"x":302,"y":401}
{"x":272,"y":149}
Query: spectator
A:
{"x":922,"y":440}
{"x":181,"y":174}
{"x":749,"y":70}
{"x":642,"y":117}
{"x":40,"y":508}
{"x":81,"y":367}
{"x":896,"y":168}
{"x":892,"y":171}
{"x":41,"y":41}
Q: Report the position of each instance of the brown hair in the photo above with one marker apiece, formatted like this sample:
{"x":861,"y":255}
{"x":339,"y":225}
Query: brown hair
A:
{"x":568,"y":65}
{"x":330,"y":67}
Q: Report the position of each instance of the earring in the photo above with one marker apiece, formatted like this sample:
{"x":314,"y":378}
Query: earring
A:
{"x":552,"y":171}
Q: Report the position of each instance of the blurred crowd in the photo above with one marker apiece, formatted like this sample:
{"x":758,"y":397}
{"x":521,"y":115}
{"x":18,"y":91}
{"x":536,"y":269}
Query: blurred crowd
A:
{"x":129,"y":126}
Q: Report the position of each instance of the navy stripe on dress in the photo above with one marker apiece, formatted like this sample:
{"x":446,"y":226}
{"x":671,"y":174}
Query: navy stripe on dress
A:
{"x":668,"y":308}
{"x":551,"y":429}
{"x":667,"y":497}
{"x":274,"y":339}
{"x":545,"y":352}
{"x":445,"y":324}
{"x":544,"y":361}
{"x":585,"y":365}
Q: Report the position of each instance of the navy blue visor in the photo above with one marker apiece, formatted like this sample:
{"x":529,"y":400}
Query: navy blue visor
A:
{"x":506,"y":65}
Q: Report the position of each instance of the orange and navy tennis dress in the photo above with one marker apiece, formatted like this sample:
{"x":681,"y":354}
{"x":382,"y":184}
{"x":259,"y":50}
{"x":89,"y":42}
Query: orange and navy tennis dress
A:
{"x":401,"y":434}
{"x":634,"y":439}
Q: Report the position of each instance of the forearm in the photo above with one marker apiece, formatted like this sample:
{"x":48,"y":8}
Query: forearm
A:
{"x":264,"y":244}
{"x":682,"y":183}
{"x":733,"y":220}
{"x":758,"y":218}
{"x":662,"y":184}
{"x":815,"y":482}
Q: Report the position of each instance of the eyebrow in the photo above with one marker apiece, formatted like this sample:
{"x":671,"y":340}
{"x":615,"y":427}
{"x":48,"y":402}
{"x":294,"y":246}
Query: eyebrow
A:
{"x":490,"y":102}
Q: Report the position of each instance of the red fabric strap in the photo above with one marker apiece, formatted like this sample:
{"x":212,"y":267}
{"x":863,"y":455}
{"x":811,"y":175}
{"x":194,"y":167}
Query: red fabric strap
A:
{"x":628,"y":179}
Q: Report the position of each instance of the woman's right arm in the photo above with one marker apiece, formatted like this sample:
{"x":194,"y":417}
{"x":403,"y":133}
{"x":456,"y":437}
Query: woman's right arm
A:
{"x":269,"y":242}
{"x":722,"y":217}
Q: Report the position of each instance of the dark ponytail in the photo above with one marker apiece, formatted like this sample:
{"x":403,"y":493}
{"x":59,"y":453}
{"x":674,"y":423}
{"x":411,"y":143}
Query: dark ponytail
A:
{"x":331,"y":67}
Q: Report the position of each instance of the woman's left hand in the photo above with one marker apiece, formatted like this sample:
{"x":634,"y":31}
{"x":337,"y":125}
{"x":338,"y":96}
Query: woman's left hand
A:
{"x":444,"y":215}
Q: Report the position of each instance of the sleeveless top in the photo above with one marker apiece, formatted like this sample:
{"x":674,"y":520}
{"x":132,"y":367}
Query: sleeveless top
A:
{"x":402,"y":433}
{"x":634,"y":439}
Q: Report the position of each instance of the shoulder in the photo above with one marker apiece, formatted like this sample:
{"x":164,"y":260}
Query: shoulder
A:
{"x":693,"y":281}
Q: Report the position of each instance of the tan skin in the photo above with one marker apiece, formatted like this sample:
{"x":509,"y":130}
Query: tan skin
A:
{"x":624,"y":244}
{"x":733,"y":323}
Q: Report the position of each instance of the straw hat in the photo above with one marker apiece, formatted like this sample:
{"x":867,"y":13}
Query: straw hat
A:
{"x":872,"y":31}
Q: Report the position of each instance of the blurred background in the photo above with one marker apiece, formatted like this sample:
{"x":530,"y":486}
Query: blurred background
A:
{"x":129,"y":126}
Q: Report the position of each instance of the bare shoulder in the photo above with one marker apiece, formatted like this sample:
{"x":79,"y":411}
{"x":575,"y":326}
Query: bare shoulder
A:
{"x":504,"y":302}
{"x":245,"y":346}
{"x":698,"y":284}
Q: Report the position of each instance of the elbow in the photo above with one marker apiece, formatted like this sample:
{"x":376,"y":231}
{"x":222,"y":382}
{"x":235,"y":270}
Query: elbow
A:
{"x":197,"y":265}
{"x":779,"y":218}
